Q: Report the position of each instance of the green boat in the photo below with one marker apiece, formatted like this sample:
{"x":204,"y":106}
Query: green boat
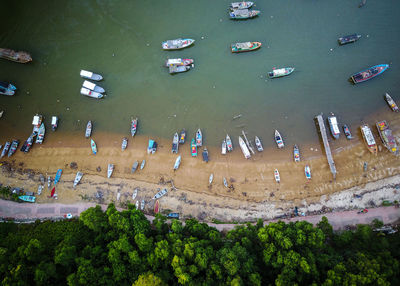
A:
{"x":30,"y":199}
{"x":245,"y":47}
{"x":193,"y":148}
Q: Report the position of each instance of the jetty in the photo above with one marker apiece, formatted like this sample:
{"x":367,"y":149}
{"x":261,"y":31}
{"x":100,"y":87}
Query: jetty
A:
{"x":322,"y":130}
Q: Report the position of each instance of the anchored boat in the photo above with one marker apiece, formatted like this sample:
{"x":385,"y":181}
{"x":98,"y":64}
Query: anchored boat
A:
{"x":90,"y":93}
{"x":258,"y":144}
{"x":348,"y":39}
{"x":296,"y":153}
{"x":93,"y":87}
{"x":54,"y":123}
{"x":90,"y":75}
{"x":245,"y":47}
{"x":134,"y":123}
{"x":389,"y":141}
{"x":199,"y":138}
{"x":347,"y":132}
{"x":241,"y":14}
{"x":369,"y":73}
{"x":182,"y":136}
{"x":19,"y":57}
{"x":178,"y":62}
{"x":175,"y":143}
{"x":279,"y":139}
{"x":333,"y":125}
{"x":176,"y":44}
{"x":280,"y":72}
{"x":88,"y":131}
{"x":244,"y":148}
{"x":178,"y":69}
{"x":28,"y":144}
{"x":193,"y":148}
{"x":369,"y":138}
{"x":391,"y":103}
{"x":241,"y":5}
{"x":7,"y":88}
{"x":229,"y":145}
{"x":40,"y":134}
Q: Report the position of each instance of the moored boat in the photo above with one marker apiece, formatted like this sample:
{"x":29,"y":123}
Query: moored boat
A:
{"x":386,"y":134}
{"x":229,"y":146}
{"x":175,"y":143}
{"x":205,"y":155}
{"x":333,"y":125}
{"x":391,"y":103}
{"x":28,"y":144}
{"x":124,"y":143}
{"x":296,"y":153}
{"x":54,"y":123}
{"x":182,"y":136}
{"x":92,"y":86}
{"x":307,"y":172}
{"x":90,"y":75}
{"x":277,"y":176}
{"x":199,"y":138}
{"x":13,"y":147}
{"x":152,"y":147}
{"x":36,"y":122}
{"x":78,"y":178}
{"x":88,"y":131}
{"x":19,"y":57}
{"x":134,"y":124}
{"x":5,"y":149}
{"x":279,"y":139}
{"x":369,"y":138}
{"x":161,"y":193}
{"x":29,"y":199}
{"x":7,"y":88}
{"x":93,"y":146}
{"x":241,"y":14}
{"x":58,"y":176}
{"x":244,"y":148}
{"x":348,"y":39}
{"x":177,"y":163}
{"x":193,"y":148}
{"x":280,"y":72}
{"x":178,"y":69}
{"x":245,"y":47}
{"x":258,"y":144}
{"x":110,"y":170}
{"x":176,"y":44}
{"x":40,"y":134}
{"x":223,"y":147}
{"x":134,"y":166}
{"x":369,"y":73}
{"x":241,"y":5}
{"x":347,"y":132}
{"x":178,"y":62}
{"x":90,"y":93}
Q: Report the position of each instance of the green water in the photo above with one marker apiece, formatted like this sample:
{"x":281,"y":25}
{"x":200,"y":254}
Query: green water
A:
{"x":122,"y":41}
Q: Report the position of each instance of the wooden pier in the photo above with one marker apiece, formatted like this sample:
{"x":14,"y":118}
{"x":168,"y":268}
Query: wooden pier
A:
{"x":322,"y":130}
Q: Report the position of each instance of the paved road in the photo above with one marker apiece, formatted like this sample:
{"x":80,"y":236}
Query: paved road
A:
{"x":338,"y":220}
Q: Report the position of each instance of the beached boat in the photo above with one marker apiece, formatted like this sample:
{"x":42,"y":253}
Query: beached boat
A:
{"x":137,"y":204}
{"x":124,"y":143}
{"x":90,"y":75}
{"x":307,"y":172}
{"x":5,"y":149}
{"x":348,"y":39}
{"x":110,"y":170}
{"x":245,"y":47}
{"x":244,"y":148}
{"x":13,"y":147}
{"x":134,"y":194}
{"x":179,"y":69}
{"x":205,"y":155}
{"x":143,"y":164}
{"x":193,"y":148}
{"x":48,"y":182}
{"x":177,"y":163}
{"x":369,"y":138}
{"x":173,"y":215}
{"x":160,"y":194}
{"x":93,"y":146}
{"x":53,"y":193}
{"x":241,"y":5}
{"x":175,"y":143}
{"x":277,"y":176}
{"x":58,"y":176}
{"x":27,"y":145}
{"x":178,"y":62}
{"x":391,"y":103}
{"x":90,"y":93}
{"x":225,"y":182}
{"x":182,"y":136}
{"x":92,"y":86}
{"x":156,"y":207}
{"x":29,"y":199}
{"x":7,"y":88}
{"x":36,"y":122}
{"x":152,"y":147}
{"x":88,"y":131}
{"x":229,"y":146}
{"x":347,"y":132}
{"x":333,"y":126}
{"x":258,"y":144}
{"x":223,"y":146}
{"x":78,"y":178}
{"x":54,"y":123}
{"x":369,"y":73}
{"x":134,"y":124}
{"x":40,"y":189}
{"x":241,"y":14}
{"x":280,"y":72}
{"x":40,"y":134}
{"x":199,"y":138}
{"x":210,"y":179}
{"x":386,"y":134}
{"x":134,"y":166}
{"x":142,"y":205}
{"x":176,"y":44}
{"x":19,"y":57}
{"x":279,"y":139}
{"x":296,"y":153}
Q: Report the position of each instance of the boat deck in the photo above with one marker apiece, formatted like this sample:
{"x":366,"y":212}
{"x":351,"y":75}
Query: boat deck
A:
{"x":328,"y":152}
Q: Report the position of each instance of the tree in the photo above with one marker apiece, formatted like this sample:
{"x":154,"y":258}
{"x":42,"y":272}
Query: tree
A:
{"x":148,"y":279}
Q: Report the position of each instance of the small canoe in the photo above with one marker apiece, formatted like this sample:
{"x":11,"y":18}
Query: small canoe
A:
{"x":229,"y":145}
{"x":245,"y":47}
{"x":296,"y":153}
{"x":258,"y":144}
{"x":175,"y":143}
{"x":369,"y":139}
{"x":279,"y":139}
{"x":386,"y":134}
{"x":40,"y":135}
{"x":160,"y":194}
{"x":13,"y":147}
{"x":78,"y":178}
{"x":7,"y":88}
{"x":369,"y":73}
{"x":391,"y":103}
{"x":177,"y":163}
{"x":244,"y":148}
{"x":90,"y":93}
{"x":193,"y":148}
{"x":124,"y":143}
{"x":348,"y":39}
{"x":53,"y":191}
{"x":5,"y":149}
{"x":307,"y":172}
{"x":182,"y":136}
{"x":58,"y":176}
{"x":28,"y":144}
{"x":333,"y":125}
{"x":210,"y":179}
{"x":241,"y":14}
{"x":205,"y":155}
{"x":152,"y":147}
{"x":134,"y":123}
{"x":143,"y":164}
{"x":110,"y":170}
{"x":90,"y":75}
{"x":347,"y":132}
{"x":277,"y":176}
{"x":179,"y":69}
{"x":280,"y":72}
{"x":137,"y":204}
{"x":40,"y":189}
{"x":225,"y":182}
{"x":88,"y":131}
{"x":156,"y":207}
{"x":92,"y":86}
{"x":135,"y":192}
{"x":19,"y":57}
{"x":134,"y":166}
{"x":177,"y":44}
{"x":178,"y":62}
{"x":142,"y":205}
{"x":223,"y":146}
{"x":241,"y":5}
{"x":54,"y":123}
{"x":93,"y":146}
{"x":29,"y":199}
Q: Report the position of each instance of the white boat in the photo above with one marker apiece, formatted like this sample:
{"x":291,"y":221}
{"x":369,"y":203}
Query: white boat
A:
{"x":90,"y":75}
{"x":241,"y":5}
{"x":307,"y":172}
{"x":48,"y":182}
{"x":88,"y":131}
{"x":40,"y":135}
{"x":177,"y":44}
{"x":143,"y":164}
{"x":54,"y":123}
{"x":134,"y":166}
{"x":369,"y":138}
{"x":142,"y":205}
{"x":225,"y":183}
{"x":93,"y":87}
{"x":244,"y":148}
{"x":178,"y":62}
{"x":160,"y":194}
{"x":88,"y":92}
{"x":277,"y":176}
{"x":223,"y":147}
{"x":210,"y":180}
{"x":137,"y":204}
{"x":333,"y":124}
{"x":110,"y":170}
{"x":124,"y":143}
{"x":78,"y":178}
{"x":40,"y":189}
{"x":135,"y":191}
{"x":258,"y":144}
{"x":229,"y":146}
{"x":279,"y":140}
{"x":177,"y":163}
{"x":175,"y":143}
{"x":118,"y":196}
{"x":36,"y":122}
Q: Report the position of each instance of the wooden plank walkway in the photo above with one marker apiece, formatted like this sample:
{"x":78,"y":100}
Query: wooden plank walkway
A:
{"x":328,"y":152}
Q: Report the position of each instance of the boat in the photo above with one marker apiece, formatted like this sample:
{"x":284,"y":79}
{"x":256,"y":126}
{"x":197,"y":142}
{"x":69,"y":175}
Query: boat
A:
{"x":40,"y":189}
{"x":333,"y":125}
{"x":58,"y":176}
{"x":110,"y":170}
{"x":29,"y":199}
{"x":347,"y":132}
{"x":48,"y":182}
{"x":258,"y":144}
{"x":245,"y":47}
{"x":53,"y":191}
{"x":223,"y":151}
{"x":152,"y":148}
{"x":241,"y":14}
{"x":193,"y":148}
{"x":54,"y":123}
{"x":177,"y":44}
{"x":296,"y":153}
{"x":5,"y":149}
{"x":177,"y":163}
{"x":134,"y":123}
{"x":182,"y":136}
{"x":179,"y":69}
{"x":369,"y":138}
{"x":13,"y":147}
{"x":124,"y":143}
{"x":244,"y":148}
{"x":142,"y":205}
{"x":279,"y":140}
{"x":205,"y":155}
{"x":90,"y":75}
{"x":391,"y":103}
{"x":137,"y":204}
{"x":225,"y":182}
{"x":27,"y":145}
{"x":280,"y":72}
{"x":40,"y":134}
{"x":134,"y":166}
{"x":229,"y":146}
{"x":160,"y":194}
{"x":241,"y":5}
{"x":143,"y":164}
{"x":92,"y":86}
{"x":90,"y":93}
{"x":178,"y":62}
{"x":386,"y":134}
{"x":88,"y":131}
{"x":19,"y":57}
{"x":277,"y":176}
{"x":36,"y":122}
{"x":210,"y":179}
{"x":199,"y":138}
{"x":7,"y":88}
{"x":134,"y":194}
{"x":307,"y":172}
{"x":173,"y":215}
{"x":175,"y":143}
{"x":93,"y":146}
{"x":78,"y":178}
{"x":156,"y":207}
{"x":348,"y":39}
{"x":369,"y":73}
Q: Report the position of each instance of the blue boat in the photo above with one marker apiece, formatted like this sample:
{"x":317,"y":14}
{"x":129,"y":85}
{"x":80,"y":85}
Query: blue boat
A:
{"x":58,"y":176}
{"x":29,"y":199}
{"x":151,"y":149}
{"x":7,"y":88}
{"x":369,"y":73}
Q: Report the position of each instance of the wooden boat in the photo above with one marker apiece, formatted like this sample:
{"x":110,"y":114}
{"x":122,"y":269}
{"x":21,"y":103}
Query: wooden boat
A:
{"x":280,"y":72}
{"x":134,"y":194}
{"x":386,"y":134}
{"x":92,"y":86}
{"x":19,"y":57}
{"x":142,"y":205}
{"x":277,"y":176}
{"x":78,"y":178}
{"x":36,"y":122}
{"x":7,"y":88}
{"x":13,"y":147}
{"x":27,"y":145}
{"x":137,"y":204}
{"x":178,"y":62}
{"x":90,"y":75}
{"x":156,"y":207}
{"x":347,"y":132}
{"x":193,"y":148}
{"x":177,"y":44}
{"x":225,"y":182}
{"x":110,"y":170}
{"x":210,"y":179}
{"x":179,"y":69}
{"x":205,"y":155}
{"x":245,"y":47}
{"x":160,"y":194}
{"x":333,"y":125}
{"x":29,"y":199}
{"x":58,"y":176}
{"x":134,"y":166}
{"x":5,"y":149}
{"x":369,"y":73}
{"x":307,"y":172}
{"x":143,"y":164}
{"x":279,"y":139}
{"x":40,"y":135}
{"x":175,"y":143}
{"x":54,"y":123}
{"x":177,"y":163}
{"x":296,"y":153}
{"x":134,"y":124}
{"x":88,"y":131}
{"x":369,"y":138}
{"x":348,"y":39}
{"x":229,"y":145}
{"x":152,"y":147}
{"x":124,"y":143}
{"x":223,"y":151}
{"x":182,"y":136}
{"x":391,"y":103}
{"x":199,"y":138}
{"x":40,"y":189}
{"x":244,"y":148}
{"x":93,"y":146}
{"x":90,"y":93}
{"x":258,"y":144}
{"x":241,"y":5}
{"x":241,"y":14}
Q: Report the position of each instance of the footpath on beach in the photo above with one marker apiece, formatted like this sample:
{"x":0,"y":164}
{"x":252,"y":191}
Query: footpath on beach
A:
{"x":338,"y":220}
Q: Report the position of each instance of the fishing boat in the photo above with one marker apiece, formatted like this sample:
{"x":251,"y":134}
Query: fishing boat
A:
{"x":124,"y":143}
{"x":347,"y":132}
{"x":54,"y":123}
{"x":152,"y":147}
{"x":5,"y":149}
{"x":92,"y":86}
{"x":391,"y":103}
{"x":386,"y":134}
{"x":210,"y":179}
{"x":134,"y":166}
{"x":93,"y":146}
{"x":27,"y":145}
{"x":193,"y":148}
{"x":179,"y":69}
{"x":258,"y":144}
{"x":369,"y":73}
{"x":137,"y":204}
{"x":223,"y":151}
{"x":40,"y":189}
{"x":369,"y":138}
{"x":36,"y":122}
{"x":333,"y":125}
{"x":90,"y":75}
{"x":156,"y":207}
{"x":134,"y":194}
{"x":177,"y":44}
{"x":199,"y":138}
{"x":296,"y":153}
{"x":78,"y":178}
{"x":58,"y":176}
{"x":13,"y":147}
{"x":241,"y":14}
{"x":182,"y":136}
{"x":88,"y":131}
{"x":142,"y":205}
{"x":173,"y":215}
{"x":307,"y":172}
{"x":40,"y":135}
{"x":29,"y":199}
{"x":7,"y":88}
{"x":280,"y":72}
{"x":110,"y":170}
{"x":245,"y":47}
{"x":19,"y":57}
{"x":175,"y":143}
{"x":160,"y":194}
{"x":48,"y":182}
{"x":225,"y":182}
{"x":244,"y":148}
{"x":229,"y":146}
{"x":241,"y":5}
{"x":177,"y":163}
{"x":143,"y":164}
{"x":90,"y":93}
{"x":205,"y":155}
{"x":279,"y":139}
{"x":277,"y":176}
{"x":348,"y":39}
{"x":178,"y":62}
{"x":134,"y":124}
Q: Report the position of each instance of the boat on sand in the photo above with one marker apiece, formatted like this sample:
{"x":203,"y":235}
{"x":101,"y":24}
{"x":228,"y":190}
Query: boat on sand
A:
{"x":369,"y":73}
{"x":225,"y":182}
{"x":210,"y":179}
{"x":5,"y":149}
{"x":245,"y":47}
{"x":29,"y":199}
{"x":369,"y":139}
{"x":333,"y":125}
{"x":296,"y":153}
{"x":307,"y":172}
{"x":88,"y":131}
{"x":143,"y":164}
{"x":391,"y":103}
{"x":40,"y":135}
{"x":347,"y":132}
{"x":229,"y":146}
{"x":177,"y":163}
{"x":58,"y":176}
{"x":152,"y":147}
{"x":134,"y":166}
{"x":13,"y":147}
{"x":199,"y":138}
{"x":223,"y":147}
{"x":110,"y":170}
{"x":93,"y":146}
{"x":78,"y":178}
{"x":161,"y":193}
{"x":386,"y":134}
{"x":277,"y":176}
{"x":205,"y":155}
{"x":124,"y":143}
{"x":134,"y":123}
{"x":193,"y":148}
{"x":278,"y":139}
{"x":134,"y":194}
{"x":19,"y":57}
{"x":90,"y":75}
{"x":280,"y":72}
{"x":175,"y":143}
{"x":258,"y":144}
{"x":244,"y":148}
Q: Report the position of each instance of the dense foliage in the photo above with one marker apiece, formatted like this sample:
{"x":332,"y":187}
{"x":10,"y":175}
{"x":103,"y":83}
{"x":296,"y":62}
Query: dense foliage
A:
{"x":123,"y":248}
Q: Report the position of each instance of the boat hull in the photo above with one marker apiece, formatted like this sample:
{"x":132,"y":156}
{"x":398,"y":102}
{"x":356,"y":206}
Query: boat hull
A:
{"x":369,"y":139}
{"x":18,"y":57}
{"x":245,"y":47}
{"x":368,"y":74}
{"x":348,"y":39}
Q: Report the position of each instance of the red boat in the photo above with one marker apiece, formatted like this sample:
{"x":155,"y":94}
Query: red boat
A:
{"x":369,"y":73}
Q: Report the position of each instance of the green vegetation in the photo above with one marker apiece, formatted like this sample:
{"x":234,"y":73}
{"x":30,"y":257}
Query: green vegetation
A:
{"x":6,"y":194}
{"x":123,"y":248}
